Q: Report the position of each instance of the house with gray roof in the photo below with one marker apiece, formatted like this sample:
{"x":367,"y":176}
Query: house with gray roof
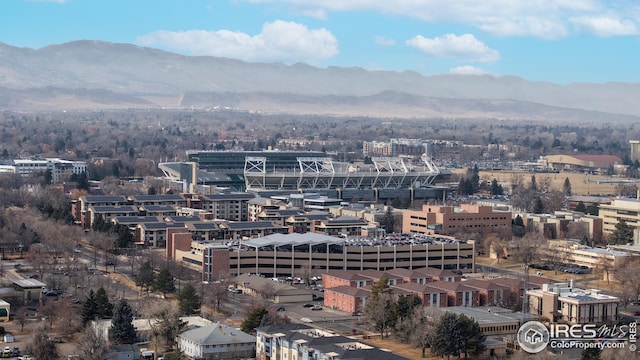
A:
{"x":217,"y":341}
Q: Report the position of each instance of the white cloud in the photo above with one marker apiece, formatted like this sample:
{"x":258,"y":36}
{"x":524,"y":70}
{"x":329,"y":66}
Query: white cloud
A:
{"x":547,"y":19}
{"x":467,"y":70}
{"x":464,"y":47}
{"x":315,"y":13}
{"x":606,"y":26}
{"x":279,"y":41}
{"x":384,"y":41}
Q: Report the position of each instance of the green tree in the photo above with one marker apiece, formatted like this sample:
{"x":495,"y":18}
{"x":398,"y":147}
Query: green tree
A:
{"x":253,"y":320}
{"x":471,"y":338}
{"x":146,"y":276}
{"x":456,"y":334}
{"x":593,"y":209}
{"x":496,"y":189}
{"x":164,"y":282}
{"x":538,"y":206}
{"x":83,"y":181}
{"x":566,"y":187}
{"x":580,"y":207}
{"x":622,"y":234}
{"x":517,"y":226}
{"x":124,"y":236}
{"x":533,"y":185}
{"x":104,"y":309}
{"x":89,"y":308}
{"x":446,"y":337}
{"x":48,"y":177}
{"x":188,"y":300}
{"x":122,"y":330}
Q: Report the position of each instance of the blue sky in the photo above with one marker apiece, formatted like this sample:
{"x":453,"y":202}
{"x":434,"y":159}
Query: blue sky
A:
{"x":562,"y":41}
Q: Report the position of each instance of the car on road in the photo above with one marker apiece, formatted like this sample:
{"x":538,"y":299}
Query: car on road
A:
{"x":307,"y":305}
{"x":306,"y":320}
{"x":316,"y":308}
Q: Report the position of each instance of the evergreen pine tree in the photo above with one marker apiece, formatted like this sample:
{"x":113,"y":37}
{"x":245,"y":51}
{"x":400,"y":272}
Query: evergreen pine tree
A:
{"x":145,"y":276}
{"x":567,"y":187}
{"x":622,"y":234}
{"x":89,"y":308}
{"x":104,"y":309}
{"x":83,"y":181}
{"x":253,"y":320}
{"x":188,"y":300}
{"x":496,"y":189}
{"x":581,"y":207}
{"x":164,"y":282}
{"x":538,"y":206}
{"x":533,"y":184}
{"x":122,"y":330}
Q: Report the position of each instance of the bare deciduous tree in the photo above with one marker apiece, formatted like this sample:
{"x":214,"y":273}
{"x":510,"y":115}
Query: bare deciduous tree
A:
{"x":92,"y":344}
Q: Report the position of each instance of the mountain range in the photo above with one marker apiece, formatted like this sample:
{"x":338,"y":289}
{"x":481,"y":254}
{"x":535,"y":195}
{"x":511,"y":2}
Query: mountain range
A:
{"x":100,"y":75}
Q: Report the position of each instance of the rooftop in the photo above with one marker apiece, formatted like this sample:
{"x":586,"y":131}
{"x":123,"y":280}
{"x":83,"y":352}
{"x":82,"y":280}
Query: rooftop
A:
{"x":217,"y":334}
{"x":490,"y":315}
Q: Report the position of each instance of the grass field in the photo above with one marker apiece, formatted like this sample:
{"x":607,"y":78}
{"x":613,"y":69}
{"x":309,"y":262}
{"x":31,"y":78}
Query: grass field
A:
{"x":581,"y":184}
{"x":406,"y":350}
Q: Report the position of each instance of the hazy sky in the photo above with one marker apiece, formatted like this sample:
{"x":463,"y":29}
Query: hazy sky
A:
{"x":562,"y":41}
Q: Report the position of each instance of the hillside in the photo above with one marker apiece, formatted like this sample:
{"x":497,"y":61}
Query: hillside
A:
{"x":92,"y":74}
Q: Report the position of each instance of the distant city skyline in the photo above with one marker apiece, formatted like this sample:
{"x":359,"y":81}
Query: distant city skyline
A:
{"x":561,"y":41}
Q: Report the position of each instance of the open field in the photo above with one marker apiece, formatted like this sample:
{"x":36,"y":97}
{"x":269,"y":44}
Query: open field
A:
{"x":581,"y":184}
{"x":406,"y":350}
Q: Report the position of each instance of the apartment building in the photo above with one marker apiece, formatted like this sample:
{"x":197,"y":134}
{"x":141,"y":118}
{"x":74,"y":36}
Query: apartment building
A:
{"x":232,"y":206}
{"x":562,"y":302}
{"x":347,"y":225}
{"x":627,"y":209}
{"x":561,"y":224}
{"x":572,"y":252}
{"x":302,"y":342}
{"x":449,"y":220}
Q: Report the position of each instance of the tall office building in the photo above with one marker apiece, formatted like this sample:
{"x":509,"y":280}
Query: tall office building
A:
{"x":635,"y":149}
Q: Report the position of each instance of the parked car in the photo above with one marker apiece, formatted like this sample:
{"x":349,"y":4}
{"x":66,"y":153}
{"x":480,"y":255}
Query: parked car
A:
{"x":307,"y":305}
{"x":316,"y":308}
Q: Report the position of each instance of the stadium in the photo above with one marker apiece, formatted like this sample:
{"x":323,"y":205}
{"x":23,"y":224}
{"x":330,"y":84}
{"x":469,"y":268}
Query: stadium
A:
{"x":305,"y":171}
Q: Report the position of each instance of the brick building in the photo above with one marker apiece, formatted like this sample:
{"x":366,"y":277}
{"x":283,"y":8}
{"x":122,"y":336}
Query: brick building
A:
{"x":449,"y":220}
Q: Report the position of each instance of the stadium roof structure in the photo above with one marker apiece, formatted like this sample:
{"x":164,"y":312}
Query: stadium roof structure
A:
{"x":291,"y":170}
{"x":292,"y":239}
